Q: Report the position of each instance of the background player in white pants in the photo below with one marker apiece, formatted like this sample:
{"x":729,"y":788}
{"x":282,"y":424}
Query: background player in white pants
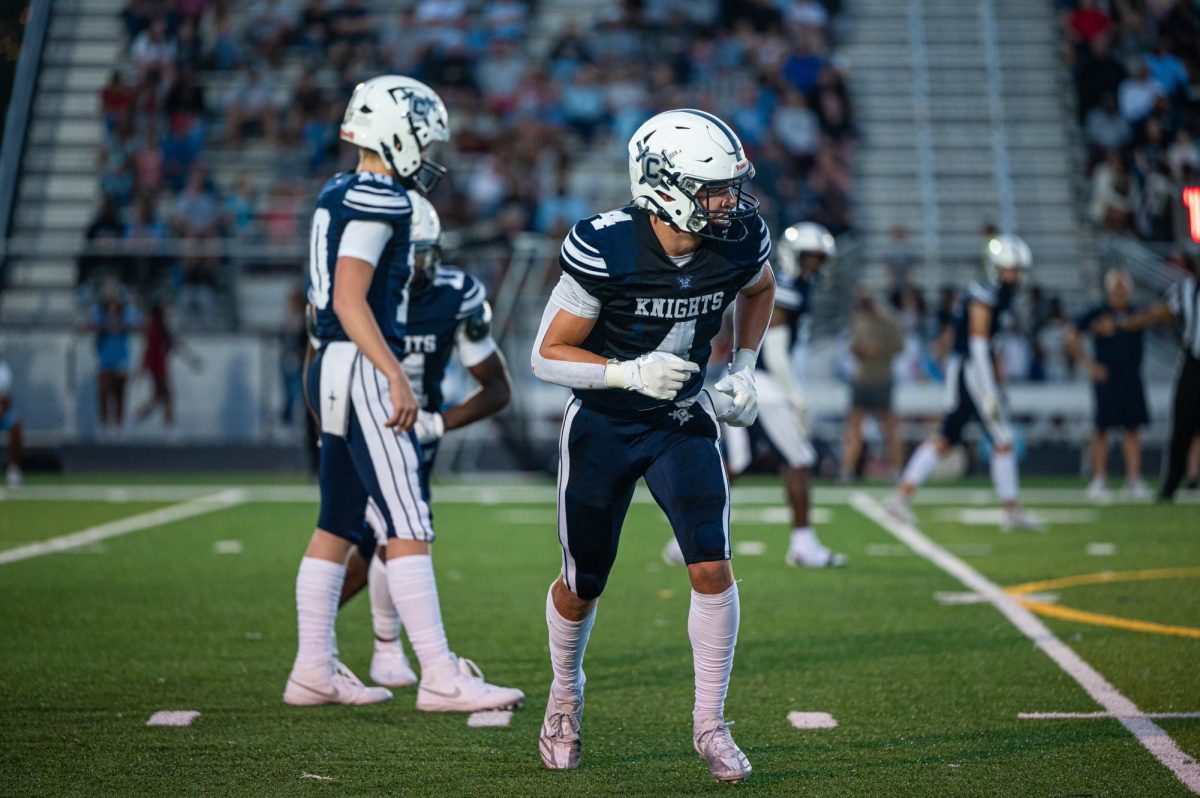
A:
{"x":782,"y":407}
{"x":972,"y":386}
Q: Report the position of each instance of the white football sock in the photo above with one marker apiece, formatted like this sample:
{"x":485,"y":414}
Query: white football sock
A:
{"x":713,"y":628}
{"x":383,"y":612}
{"x":1004,"y":475}
{"x":803,"y":537}
{"x":921,"y":465}
{"x":318,"y":589}
{"x":568,"y":640}
{"x":414,"y":594}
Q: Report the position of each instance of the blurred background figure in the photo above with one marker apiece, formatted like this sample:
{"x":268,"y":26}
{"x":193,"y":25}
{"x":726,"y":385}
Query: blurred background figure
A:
{"x":159,"y":343}
{"x":112,"y":320}
{"x":875,"y":340}
{"x":1119,"y":395}
{"x":10,"y":422}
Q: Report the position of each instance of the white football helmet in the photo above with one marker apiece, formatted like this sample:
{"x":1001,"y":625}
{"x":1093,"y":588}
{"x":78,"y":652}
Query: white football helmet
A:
{"x":426,"y":233}
{"x":801,"y":239}
{"x":677,"y":154}
{"x":398,"y":117}
{"x":1007,"y":252}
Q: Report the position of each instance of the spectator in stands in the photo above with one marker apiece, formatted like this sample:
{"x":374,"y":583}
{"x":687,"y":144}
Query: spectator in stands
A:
{"x":1166,"y":68}
{"x":350,"y":23}
{"x":797,"y":129}
{"x":875,"y":341}
{"x":1183,"y":157}
{"x":558,"y":211}
{"x":270,"y":25}
{"x":250,"y":105}
{"x":160,"y":344}
{"x":1098,"y":74}
{"x":116,"y":100}
{"x":1114,"y":196}
{"x":1115,"y":369}
{"x":196,"y":214}
{"x":112,"y":320}
{"x":1138,"y":94}
{"x":179,"y":149}
{"x":153,"y":49}
{"x":1105,"y":128}
{"x":148,"y":165}
{"x":1050,"y":353}
{"x":226,"y":51}
{"x":10,"y":422}
{"x":899,"y":262}
{"x":1087,"y":22}
{"x":240,"y":208}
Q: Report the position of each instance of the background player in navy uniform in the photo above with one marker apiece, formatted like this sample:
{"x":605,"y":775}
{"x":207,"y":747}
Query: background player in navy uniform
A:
{"x":782,"y":407}
{"x":359,"y":270}
{"x":629,"y":327}
{"x":448,"y":313}
{"x":971,"y":384}
{"x":1115,"y":369}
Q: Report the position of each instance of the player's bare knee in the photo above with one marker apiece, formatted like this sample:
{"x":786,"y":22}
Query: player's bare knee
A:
{"x":569,"y":605}
{"x":711,"y":577}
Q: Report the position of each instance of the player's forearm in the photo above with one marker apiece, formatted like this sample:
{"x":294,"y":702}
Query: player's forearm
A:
{"x":752,"y":314}
{"x":359,"y":323}
{"x":979,"y":361}
{"x":777,"y":357}
{"x":558,"y":361}
{"x":1159,"y":314}
{"x":493,"y":395}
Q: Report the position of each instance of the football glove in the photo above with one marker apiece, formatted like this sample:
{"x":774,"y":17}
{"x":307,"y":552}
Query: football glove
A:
{"x":658,"y":375}
{"x":430,"y":427}
{"x":738,"y":385}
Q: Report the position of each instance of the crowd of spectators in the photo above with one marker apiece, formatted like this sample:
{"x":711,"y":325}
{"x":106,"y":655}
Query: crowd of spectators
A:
{"x":1136,"y":65}
{"x":536,"y":139}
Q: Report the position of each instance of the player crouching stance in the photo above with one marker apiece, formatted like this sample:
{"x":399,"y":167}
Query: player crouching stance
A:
{"x":629,"y":327}
{"x":970,"y":377}
{"x":359,"y":270}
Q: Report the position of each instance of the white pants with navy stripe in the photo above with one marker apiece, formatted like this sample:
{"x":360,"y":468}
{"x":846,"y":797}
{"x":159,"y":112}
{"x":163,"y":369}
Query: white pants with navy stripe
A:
{"x":777,"y":420}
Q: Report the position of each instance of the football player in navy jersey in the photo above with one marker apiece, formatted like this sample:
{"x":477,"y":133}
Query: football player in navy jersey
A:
{"x":782,"y":406}
{"x":629,"y":328}
{"x":360,"y":265}
{"x":448,"y":314}
{"x":971,"y":384}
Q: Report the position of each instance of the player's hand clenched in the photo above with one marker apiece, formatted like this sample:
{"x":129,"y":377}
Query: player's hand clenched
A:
{"x":738,"y":385}
{"x":404,"y":403}
{"x":658,"y":375}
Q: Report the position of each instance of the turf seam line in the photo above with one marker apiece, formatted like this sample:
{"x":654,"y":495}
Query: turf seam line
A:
{"x":1152,"y":737}
{"x":124,"y":526}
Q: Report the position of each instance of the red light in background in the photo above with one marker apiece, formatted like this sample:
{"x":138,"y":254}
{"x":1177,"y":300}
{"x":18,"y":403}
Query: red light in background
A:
{"x":1191,"y":201}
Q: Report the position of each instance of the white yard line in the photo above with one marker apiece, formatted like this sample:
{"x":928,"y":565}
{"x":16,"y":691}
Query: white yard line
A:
{"x":124,"y":526}
{"x":1147,"y":732}
{"x":1103,"y":715}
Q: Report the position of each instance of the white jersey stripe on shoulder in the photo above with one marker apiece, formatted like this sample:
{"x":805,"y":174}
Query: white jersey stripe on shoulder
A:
{"x":381,"y":190}
{"x":393,"y":212}
{"x":578,"y":254}
{"x":586,"y":247}
{"x":383,"y":201}
{"x":581,"y":268}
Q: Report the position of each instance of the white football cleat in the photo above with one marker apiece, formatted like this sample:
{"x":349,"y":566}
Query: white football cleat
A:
{"x":459,"y":687}
{"x":1097,"y":491}
{"x":1018,"y":520}
{"x":15,"y":478}
{"x":333,"y":684}
{"x":898,"y":508}
{"x":814,"y":556}
{"x":726,"y":762}
{"x":672,"y":554}
{"x":1137,"y":490}
{"x":560,"y":743}
{"x":390,"y":667}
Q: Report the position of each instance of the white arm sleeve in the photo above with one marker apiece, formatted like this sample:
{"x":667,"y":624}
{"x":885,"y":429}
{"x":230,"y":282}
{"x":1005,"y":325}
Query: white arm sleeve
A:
{"x":574,"y":298}
{"x":563,"y":372}
{"x":472,"y":353}
{"x":980,"y":363}
{"x":364,"y":239}
{"x":778,"y":359}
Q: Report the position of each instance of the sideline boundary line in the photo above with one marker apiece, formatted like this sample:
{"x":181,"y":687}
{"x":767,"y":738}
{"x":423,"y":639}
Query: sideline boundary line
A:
{"x":1152,"y":737}
{"x":123,"y":526}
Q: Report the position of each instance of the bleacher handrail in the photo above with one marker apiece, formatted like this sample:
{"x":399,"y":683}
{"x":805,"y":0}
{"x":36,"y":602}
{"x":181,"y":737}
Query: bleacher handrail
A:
{"x":20,"y":104}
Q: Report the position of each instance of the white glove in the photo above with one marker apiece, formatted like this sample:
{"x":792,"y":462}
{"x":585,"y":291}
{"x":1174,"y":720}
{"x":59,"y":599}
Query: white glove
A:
{"x":658,"y":375}
{"x":738,"y":385}
{"x":430,"y":427}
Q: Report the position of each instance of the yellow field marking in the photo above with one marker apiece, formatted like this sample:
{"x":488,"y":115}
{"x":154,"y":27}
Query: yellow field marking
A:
{"x":1097,"y":619}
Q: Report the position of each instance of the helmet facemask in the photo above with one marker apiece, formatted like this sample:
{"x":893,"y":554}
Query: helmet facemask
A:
{"x":671,"y":187}
{"x":425,"y":272}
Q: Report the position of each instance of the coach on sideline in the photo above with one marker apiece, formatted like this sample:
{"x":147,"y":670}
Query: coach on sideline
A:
{"x":1182,"y":307}
{"x":1115,"y":369}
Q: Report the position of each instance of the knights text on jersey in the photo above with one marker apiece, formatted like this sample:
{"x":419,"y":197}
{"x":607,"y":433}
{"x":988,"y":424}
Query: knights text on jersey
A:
{"x":647,"y":303}
{"x":435,"y":313}
{"x":348,"y":199}
{"x":998,"y":297}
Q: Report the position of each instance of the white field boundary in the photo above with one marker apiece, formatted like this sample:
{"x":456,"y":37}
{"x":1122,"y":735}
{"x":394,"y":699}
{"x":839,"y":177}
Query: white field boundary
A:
{"x":491,"y":493}
{"x":124,"y":526}
{"x":1147,"y":732}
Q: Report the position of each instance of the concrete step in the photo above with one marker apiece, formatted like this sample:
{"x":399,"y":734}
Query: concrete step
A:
{"x":94,"y":27}
{"x":41,"y":273}
{"x":38,"y":306}
{"x":34,"y":217}
{"x":83,"y":104}
{"x":73,"y":78}
{"x":55,"y":187}
{"x":67,"y":131}
{"x":97,"y":55}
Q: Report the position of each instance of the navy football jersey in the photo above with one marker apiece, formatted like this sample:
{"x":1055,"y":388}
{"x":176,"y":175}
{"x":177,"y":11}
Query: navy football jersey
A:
{"x":346,"y":198}
{"x":435,"y":313}
{"x":647,"y":302}
{"x":998,"y":297}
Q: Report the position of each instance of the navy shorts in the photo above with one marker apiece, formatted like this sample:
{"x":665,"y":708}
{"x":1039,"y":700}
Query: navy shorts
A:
{"x":370,"y":473}
{"x":601,"y":459}
{"x":1120,"y":405}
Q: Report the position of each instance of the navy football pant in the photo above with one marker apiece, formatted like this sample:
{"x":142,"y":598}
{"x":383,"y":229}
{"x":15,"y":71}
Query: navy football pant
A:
{"x":601,"y":460}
